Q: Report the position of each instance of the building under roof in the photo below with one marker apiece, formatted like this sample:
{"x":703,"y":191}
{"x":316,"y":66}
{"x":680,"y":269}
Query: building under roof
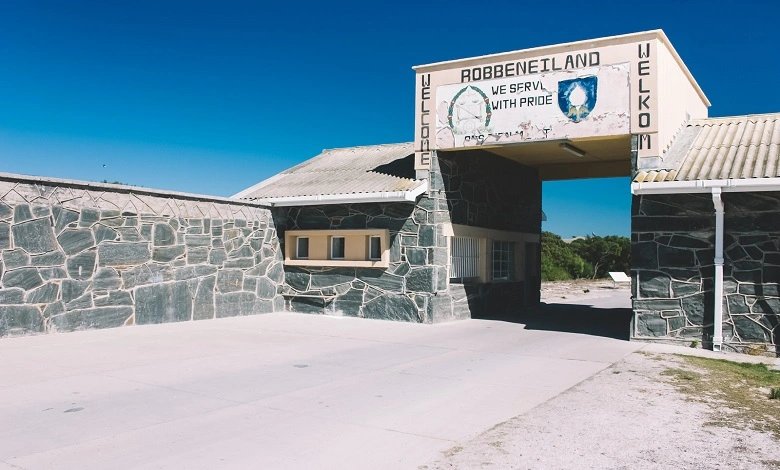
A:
{"x":721,"y":148}
{"x":372,"y":173}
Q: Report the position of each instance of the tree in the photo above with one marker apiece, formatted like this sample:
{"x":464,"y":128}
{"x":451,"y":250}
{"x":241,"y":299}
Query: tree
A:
{"x":559,"y":261}
{"x":604,"y":254}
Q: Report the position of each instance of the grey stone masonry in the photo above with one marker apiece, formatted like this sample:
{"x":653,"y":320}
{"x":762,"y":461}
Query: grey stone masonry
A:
{"x":484,"y":190}
{"x":415,"y":285}
{"x":78,"y":256}
{"x":673,"y":268}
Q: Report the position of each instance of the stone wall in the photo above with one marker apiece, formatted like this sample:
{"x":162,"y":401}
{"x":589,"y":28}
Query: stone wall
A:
{"x":484,"y":190}
{"x":401,"y":292}
{"x":672,"y":258}
{"x":415,"y":286}
{"x":76,"y":256}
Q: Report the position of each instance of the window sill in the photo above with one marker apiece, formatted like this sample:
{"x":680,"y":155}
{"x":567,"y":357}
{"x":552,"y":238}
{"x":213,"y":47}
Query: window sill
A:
{"x":336,"y":263}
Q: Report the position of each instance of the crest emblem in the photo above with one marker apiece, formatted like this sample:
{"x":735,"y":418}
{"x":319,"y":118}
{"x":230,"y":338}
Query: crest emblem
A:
{"x":469,"y":111}
{"x":577,"y":97}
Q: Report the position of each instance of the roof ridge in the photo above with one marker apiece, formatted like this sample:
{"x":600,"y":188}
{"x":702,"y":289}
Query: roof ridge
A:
{"x":743,"y":117}
{"x":367,"y":146}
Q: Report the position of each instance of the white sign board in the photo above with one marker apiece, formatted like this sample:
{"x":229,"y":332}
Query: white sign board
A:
{"x":557,"y":105}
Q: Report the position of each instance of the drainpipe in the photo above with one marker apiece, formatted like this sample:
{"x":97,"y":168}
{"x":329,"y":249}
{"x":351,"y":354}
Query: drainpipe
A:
{"x":717,"y":333}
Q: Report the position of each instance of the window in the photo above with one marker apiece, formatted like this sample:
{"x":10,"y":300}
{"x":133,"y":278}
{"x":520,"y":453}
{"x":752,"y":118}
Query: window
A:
{"x":374,"y":247}
{"x":337,"y":245}
{"x":503,"y":260}
{"x":464,"y":258}
{"x":302,"y":247}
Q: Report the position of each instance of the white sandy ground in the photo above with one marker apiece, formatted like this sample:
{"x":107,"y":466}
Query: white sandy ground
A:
{"x":302,"y":391}
{"x":626,"y":417}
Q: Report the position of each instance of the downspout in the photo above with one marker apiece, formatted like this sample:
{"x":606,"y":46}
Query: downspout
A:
{"x":717,"y":328}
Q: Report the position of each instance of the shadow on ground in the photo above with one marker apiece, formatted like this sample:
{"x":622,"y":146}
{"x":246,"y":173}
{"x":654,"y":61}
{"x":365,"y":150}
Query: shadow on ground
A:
{"x":572,"y":318}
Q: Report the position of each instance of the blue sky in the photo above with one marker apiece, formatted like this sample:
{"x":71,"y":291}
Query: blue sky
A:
{"x":211,"y":97}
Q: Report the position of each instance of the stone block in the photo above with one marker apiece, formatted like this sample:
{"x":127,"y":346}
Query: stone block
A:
{"x":675,"y":257}
{"x":163,"y":235}
{"x":114,"y":298}
{"x":650,"y":324}
{"x":150,"y":273}
{"x":165,"y":254}
{"x":197,"y":240}
{"x":234,"y":304}
{"x":681,"y":288}
{"x":88,"y":217}
{"x":24,"y":278}
{"x":82,"y":265}
{"x":129,"y":234}
{"x":417,"y":256}
{"x":736,"y":304}
{"x":695,"y":306}
{"x":298,"y":280}
{"x":55,"y":258}
{"x":15,"y":258}
{"x":5,"y":211}
{"x":276,"y":272}
{"x":230,"y":280}
{"x":44,"y":294}
{"x":421,"y":280}
{"x":349,"y":303}
{"x":20,"y":319}
{"x":53,"y":309}
{"x":197,"y":255}
{"x":35,"y":236}
{"x":97,"y":317}
{"x":63,"y":218}
{"x":14,"y":295}
{"x":654,"y":284}
{"x":427,"y":235}
{"x":75,"y":241}
{"x":203,"y":306}
{"x":770,"y":306}
{"x":239,"y":263}
{"x":190,"y":272}
{"x":750,"y":330}
{"x":380,"y":279}
{"x":123,"y":253}
{"x":392,"y":307}
{"x":72,"y":289}
{"x":162,"y":303}
{"x":217,"y":256}
{"x":250,"y":284}
{"x":106,"y":279}
{"x":81,"y":302}
{"x":644,"y":255}
{"x":22,"y":212}
{"x":5,"y":236}
{"x":307,"y":305}
{"x":266,"y":289}
{"x":103,"y":233}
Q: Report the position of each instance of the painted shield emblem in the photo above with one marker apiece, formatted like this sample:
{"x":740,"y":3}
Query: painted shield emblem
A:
{"x":577,"y":97}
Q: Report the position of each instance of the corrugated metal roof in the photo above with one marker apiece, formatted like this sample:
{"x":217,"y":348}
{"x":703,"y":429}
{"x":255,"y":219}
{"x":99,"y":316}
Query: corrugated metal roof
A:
{"x":736,"y":147}
{"x":352,"y":170}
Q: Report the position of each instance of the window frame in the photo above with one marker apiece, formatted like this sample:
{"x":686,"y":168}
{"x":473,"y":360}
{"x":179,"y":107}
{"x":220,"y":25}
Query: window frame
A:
{"x":378,"y":257}
{"x":333,"y":238}
{"x":504,"y":264}
{"x":458,"y":261}
{"x":298,"y":247}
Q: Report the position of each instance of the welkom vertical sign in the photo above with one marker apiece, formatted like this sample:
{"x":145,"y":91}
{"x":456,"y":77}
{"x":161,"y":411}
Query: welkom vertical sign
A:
{"x":589,"y":89}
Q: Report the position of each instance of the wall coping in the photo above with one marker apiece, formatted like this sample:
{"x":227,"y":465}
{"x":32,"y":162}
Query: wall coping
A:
{"x":123,"y":188}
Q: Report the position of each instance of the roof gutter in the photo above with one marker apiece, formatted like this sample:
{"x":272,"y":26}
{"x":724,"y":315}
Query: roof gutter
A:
{"x":354,"y":198}
{"x":706,"y":186}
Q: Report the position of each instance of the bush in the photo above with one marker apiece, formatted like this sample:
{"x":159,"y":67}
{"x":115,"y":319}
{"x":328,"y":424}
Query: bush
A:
{"x":591,"y":257}
{"x":559,"y":261}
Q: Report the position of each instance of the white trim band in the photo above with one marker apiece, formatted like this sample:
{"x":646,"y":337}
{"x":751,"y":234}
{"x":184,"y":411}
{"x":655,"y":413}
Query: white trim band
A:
{"x":355,"y":198}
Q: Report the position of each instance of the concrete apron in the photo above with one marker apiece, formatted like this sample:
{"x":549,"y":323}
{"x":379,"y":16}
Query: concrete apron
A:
{"x":277,"y":391}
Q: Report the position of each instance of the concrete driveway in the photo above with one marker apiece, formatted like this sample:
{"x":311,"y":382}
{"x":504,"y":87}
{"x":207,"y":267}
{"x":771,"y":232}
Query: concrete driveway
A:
{"x":277,"y":391}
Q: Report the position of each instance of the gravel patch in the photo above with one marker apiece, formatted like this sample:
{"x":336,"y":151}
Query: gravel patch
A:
{"x":629,"y":416}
